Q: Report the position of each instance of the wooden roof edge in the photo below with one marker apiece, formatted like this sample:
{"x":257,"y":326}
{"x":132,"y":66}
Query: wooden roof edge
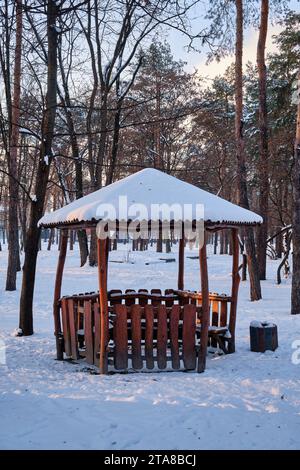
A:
{"x":209,"y":225}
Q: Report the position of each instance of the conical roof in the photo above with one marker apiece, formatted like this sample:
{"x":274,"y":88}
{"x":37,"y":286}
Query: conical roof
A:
{"x":150,"y":187}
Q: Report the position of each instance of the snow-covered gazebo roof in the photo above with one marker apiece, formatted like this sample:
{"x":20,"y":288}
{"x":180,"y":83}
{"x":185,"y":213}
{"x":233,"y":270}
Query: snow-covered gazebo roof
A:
{"x":148,"y":187}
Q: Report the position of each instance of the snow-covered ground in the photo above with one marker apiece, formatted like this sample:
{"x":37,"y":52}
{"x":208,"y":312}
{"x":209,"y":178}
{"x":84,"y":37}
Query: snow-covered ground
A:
{"x":243,"y":401}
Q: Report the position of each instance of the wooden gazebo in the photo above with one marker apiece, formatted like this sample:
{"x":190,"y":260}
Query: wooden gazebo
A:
{"x":117,"y":330}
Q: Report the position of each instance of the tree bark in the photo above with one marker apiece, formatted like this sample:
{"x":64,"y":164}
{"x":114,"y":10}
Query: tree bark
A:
{"x":43,"y":168}
{"x":234,"y":288}
{"x":255,"y":290}
{"x":13,"y":231}
{"x":82,"y":237}
{"x":93,"y":261}
{"x":295,"y":307}
{"x":115,"y":144}
{"x":262,"y":232}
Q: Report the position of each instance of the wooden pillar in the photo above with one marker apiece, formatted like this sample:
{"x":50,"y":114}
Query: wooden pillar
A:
{"x":205,"y":307}
{"x":181,"y":264}
{"x":234,"y":288}
{"x":104,"y":325}
{"x":57,"y":294}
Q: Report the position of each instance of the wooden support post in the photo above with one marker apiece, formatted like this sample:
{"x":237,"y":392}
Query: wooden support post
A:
{"x":205,"y":307}
{"x":181,"y":264}
{"x":234,"y":288}
{"x":104,"y":325}
{"x":57,"y":294}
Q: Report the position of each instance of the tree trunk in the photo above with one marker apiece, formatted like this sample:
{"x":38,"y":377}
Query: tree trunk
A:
{"x":279,"y":246}
{"x":222,"y":242}
{"x":37,"y":205}
{"x":115,"y":144}
{"x":13,"y":232}
{"x":71,"y":240}
{"x":102,"y":140}
{"x":159,"y":241}
{"x":93,"y":249}
{"x":82,"y":237}
{"x":255,"y":291}
{"x":262,"y":232}
{"x":215,"y":243}
{"x":50,"y":239}
{"x":244,"y":268}
{"x":295,"y":309}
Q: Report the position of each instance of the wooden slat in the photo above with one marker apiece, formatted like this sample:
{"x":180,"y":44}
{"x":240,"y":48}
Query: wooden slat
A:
{"x":214,"y":319}
{"x":169,"y":302}
{"x":79,"y":314}
{"x":120,"y":337}
{"x":181,"y":263}
{"x":66,"y":327}
{"x":223,"y":314}
{"x":174,"y":325}
{"x":155,"y":301}
{"x":135,"y":313}
{"x":149,"y":336}
{"x":73,"y":329}
{"x":184,"y":300}
{"x":189,"y":331}
{"x":162,"y":337}
{"x":113,"y":301}
{"x":97,"y":328}
{"x":215,"y":313}
{"x":88,"y":332}
{"x":130,"y":300}
{"x":143,"y":300}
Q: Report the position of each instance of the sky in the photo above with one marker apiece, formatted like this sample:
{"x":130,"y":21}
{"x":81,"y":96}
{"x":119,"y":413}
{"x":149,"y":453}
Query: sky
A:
{"x":197,"y":60}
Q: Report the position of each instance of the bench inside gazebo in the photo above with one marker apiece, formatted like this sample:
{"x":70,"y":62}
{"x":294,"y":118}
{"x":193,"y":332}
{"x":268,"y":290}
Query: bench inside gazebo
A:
{"x":143,"y":329}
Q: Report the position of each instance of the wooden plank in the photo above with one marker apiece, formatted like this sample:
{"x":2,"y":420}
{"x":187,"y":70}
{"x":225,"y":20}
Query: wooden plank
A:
{"x":174,"y":325}
{"x":180,"y":281}
{"x":73,"y":329}
{"x":120,"y":337}
{"x":79,"y":314}
{"x":169,"y":302}
{"x":214,"y":319}
{"x":88,"y":332}
{"x":223,"y":314}
{"x":136,"y":334}
{"x":111,"y":298}
{"x":154,"y":301}
{"x":149,"y":315}
{"x":189,"y":340}
{"x":143,"y":300}
{"x":130,"y":300}
{"x":66,"y":327}
{"x":162,"y":336}
{"x":97,"y":328}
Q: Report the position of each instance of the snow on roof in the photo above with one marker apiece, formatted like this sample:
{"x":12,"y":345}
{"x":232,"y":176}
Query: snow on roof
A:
{"x":148,"y":187}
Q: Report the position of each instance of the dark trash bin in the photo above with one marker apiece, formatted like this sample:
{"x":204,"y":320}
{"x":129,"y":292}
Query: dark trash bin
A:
{"x":263,"y":336}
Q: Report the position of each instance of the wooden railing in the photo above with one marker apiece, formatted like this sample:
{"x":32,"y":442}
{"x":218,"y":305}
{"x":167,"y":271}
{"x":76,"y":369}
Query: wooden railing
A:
{"x":147,"y":329}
